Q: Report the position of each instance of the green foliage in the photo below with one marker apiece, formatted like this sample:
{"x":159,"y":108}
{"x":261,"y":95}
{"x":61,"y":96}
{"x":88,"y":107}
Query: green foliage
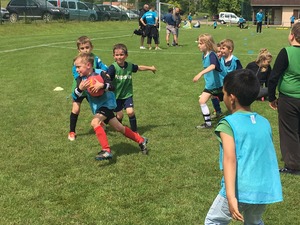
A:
{"x":229,"y":6}
{"x":45,"y":179}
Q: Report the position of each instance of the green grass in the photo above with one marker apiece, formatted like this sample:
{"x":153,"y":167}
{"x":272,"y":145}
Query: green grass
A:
{"x":45,"y":179}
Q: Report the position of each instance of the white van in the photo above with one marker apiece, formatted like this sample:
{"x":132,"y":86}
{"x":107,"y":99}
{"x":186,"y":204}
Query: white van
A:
{"x":229,"y":17}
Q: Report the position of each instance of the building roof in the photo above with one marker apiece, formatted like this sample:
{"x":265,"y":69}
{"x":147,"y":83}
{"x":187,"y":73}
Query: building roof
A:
{"x":275,"y":3}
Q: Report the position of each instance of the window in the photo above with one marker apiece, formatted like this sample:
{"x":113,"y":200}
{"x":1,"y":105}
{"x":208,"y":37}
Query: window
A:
{"x":18,"y":3}
{"x":31,"y":3}
{"x":64,"y":4}
{"x":82,"y":6}
{"x":72,"y":5}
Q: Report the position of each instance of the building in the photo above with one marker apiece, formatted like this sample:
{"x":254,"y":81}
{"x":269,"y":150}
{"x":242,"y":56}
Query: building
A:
{"x":277,"y":12}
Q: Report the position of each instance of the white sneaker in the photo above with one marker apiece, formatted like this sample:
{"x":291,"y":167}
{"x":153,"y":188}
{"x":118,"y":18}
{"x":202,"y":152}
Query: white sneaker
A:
{"x":158,"y":48}
{"x":150,"y":48}
{"x":142,"y":47}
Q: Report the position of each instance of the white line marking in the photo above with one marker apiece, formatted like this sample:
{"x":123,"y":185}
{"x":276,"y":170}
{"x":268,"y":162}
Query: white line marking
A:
{"x":56,"y":43}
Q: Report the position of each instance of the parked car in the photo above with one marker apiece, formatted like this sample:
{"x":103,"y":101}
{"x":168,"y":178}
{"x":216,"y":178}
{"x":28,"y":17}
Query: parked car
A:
{"x":78,"y":10}
{"x":4,"y":14}
{"x":34,"y":9}
{"x":115,"y":12}
{"x":228,"y":17}
{"x":132,"y":15}
{"x":101,"y":14}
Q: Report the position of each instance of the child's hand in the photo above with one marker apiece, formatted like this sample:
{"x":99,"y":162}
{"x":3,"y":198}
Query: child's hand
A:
{"x":196,"y":78}
{"x":84,"y":84}
{"x":234,"y":210}
{"x":96,"y":87}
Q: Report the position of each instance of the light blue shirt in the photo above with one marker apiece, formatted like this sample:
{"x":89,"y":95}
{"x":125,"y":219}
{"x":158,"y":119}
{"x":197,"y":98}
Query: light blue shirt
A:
{"x":259,"y":17}
{"x":150,"y":17}
{"x":257,"y":173}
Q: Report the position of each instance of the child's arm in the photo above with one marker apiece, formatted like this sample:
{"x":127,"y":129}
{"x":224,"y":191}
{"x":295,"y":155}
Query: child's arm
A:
{"x":107,"y":85}
{"x":144,"y":68}
{"x":206,"y":70}
{"x":81,"y":86}
{"x":229,"y":167}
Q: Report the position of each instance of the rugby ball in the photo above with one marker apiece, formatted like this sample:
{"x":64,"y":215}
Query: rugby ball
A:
{"x":92,"y":80}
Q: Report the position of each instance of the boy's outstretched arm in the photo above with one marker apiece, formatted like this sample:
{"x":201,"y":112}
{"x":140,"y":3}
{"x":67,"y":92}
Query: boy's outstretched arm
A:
{"x":143,"y":68}
{"x":229,"y":166}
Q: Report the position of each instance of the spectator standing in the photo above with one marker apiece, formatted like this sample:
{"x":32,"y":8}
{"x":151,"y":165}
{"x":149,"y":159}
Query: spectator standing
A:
{"x":170,"y":27}
{"x":142,"y":27}
{"x":259,"y":20}
{"x":190,"y":18}
{"x":151,"y":24}
{"x":178,"y":23}
{"x":286,"y":75}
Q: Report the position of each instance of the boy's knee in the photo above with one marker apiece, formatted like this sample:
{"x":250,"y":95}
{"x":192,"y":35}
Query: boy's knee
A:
{"x":95,"y":123}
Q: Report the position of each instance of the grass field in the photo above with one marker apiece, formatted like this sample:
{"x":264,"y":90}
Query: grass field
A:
{"x":46,"y":179}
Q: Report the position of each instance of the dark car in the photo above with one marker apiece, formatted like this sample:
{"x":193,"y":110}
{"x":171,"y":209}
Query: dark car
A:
{"x":115,"y":12}
{"x":4,"y":14}
{"x":101,"y":14}
{"x":35,"y":9}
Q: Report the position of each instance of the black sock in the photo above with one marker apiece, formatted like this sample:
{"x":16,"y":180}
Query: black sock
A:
{"x":133,"y":124}
{"x":73,"y":122}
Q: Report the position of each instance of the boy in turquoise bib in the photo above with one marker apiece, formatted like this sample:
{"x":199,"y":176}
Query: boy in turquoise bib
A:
{"x":247,"y":156}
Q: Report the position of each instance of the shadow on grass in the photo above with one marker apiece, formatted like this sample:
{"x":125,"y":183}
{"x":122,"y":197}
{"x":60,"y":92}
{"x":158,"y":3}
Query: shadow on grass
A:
{"x":121,"y":149}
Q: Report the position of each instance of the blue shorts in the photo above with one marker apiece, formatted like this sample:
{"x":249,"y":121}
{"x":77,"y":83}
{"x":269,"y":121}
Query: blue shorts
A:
{"x":124,"y":104}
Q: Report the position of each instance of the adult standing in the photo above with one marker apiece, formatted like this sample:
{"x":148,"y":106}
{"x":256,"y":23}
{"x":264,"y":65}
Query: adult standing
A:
{"x":178,"y":23}
{"x":151,"y":23}
{"x":142,"y":27}
{"x":259,"y":20}
{"x":286,"y":75}
{"x":170,"y":26}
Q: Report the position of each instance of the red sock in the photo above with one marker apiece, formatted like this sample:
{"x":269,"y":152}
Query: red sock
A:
{"x":133,"y":135}
{"x":102,"y":138}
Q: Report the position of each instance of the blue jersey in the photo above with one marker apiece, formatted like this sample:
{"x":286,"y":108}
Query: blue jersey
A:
{"x":213,"y":80}
{"x":107,"y":100}
{"x":257,"y":173}
{"x":259,"y":17}
{"x":231,"y":65}
{"x":292,"y":19}
{"x":150,"y":17}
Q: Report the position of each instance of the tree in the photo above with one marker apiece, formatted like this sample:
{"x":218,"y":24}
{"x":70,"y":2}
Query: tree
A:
{"x":230,"y":6}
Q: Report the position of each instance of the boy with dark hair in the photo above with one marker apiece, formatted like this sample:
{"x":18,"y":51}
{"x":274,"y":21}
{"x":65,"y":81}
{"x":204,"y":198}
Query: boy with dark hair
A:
{"x":102,"y":106}
{"x":247,"y":156}
{"x":120,"y":73}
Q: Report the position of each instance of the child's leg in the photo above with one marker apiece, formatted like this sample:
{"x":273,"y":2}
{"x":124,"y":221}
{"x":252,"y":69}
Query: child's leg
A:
{"x":219,"y":212}
{"x":119,"y":116}
{"x":127,"y":132}
{"x":252,"y":213}
{"x":128,"y":105}
{"x":74,"y":115}
{"x":204,"y":108}
{"x":132,"y":118}
{"x":216,"y":104}
{"x":99,"y":131}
